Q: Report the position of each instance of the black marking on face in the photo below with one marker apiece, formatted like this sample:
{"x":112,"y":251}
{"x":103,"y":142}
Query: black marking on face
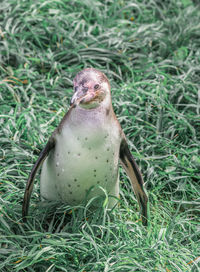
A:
{"x":85,"y":89}
{"x":85,"y":75}
{"x":83,"y":81}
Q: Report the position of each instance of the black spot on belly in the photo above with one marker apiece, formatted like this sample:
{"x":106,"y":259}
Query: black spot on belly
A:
{"x":107,"y":160}
{"x":96,"y":158}
{"x":69,"y":185}
{"x":78,"y":185}
{"x":108,"y":149}
{"x":75,"y":179}
{"x":95,"y":170}
{"x":79,"y":154}
{"x":86,"y":138}
{"x":95,"y":176}
{"x":98,"y":182}
{"x":68,"y":152}
{"x":70,"y":192}
{"x":58,"y":174}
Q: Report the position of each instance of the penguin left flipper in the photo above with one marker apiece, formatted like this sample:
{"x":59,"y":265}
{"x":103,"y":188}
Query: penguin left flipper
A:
{"x":135,"y":176}
{"x":29,"y":186}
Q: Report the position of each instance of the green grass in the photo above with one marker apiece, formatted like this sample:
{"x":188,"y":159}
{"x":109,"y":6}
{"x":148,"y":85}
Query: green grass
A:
{"x":150,"y":51}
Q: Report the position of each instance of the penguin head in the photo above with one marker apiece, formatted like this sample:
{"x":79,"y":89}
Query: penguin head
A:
{"x":91,"y":89}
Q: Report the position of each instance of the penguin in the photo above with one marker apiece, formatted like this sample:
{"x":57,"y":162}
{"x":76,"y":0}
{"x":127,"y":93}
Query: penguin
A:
{"x":81,"y":158}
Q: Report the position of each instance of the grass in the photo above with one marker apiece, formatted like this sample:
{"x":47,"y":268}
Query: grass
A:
{"x":150,"y":51}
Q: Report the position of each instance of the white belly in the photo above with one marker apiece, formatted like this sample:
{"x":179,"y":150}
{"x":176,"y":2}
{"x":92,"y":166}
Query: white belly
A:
{"x":83,"y":161}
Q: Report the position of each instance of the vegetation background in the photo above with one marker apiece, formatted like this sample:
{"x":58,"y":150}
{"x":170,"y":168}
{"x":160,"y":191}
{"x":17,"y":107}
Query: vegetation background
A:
{"x":150,"y":51}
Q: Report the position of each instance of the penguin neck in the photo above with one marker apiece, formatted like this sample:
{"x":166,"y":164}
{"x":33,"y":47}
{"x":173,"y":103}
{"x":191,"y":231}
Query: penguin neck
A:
{"x":99,"y":116}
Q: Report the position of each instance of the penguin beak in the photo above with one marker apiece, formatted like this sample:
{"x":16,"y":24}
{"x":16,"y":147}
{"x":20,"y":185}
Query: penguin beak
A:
{"x":73,"y":99}
{"x":85,"y":96}
{"x":77,"y":98}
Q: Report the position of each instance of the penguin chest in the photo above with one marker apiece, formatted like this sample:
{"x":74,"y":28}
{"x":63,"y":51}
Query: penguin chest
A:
{"x":83,"y":163}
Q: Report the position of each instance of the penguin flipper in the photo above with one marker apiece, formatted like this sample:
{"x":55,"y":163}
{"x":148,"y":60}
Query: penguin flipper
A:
{"x":29,"y":186}
{"x":135,"y":176}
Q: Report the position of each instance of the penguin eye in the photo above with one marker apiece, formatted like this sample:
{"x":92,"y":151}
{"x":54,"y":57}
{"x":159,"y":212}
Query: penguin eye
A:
{"x":96,"y":87}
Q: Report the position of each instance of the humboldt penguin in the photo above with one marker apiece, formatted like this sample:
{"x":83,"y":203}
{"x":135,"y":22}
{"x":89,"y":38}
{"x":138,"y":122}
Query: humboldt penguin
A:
{"x":81,"y":159}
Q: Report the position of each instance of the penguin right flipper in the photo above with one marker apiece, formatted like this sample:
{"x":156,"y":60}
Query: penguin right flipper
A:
{"x":29,"y":186}
{"x":136,"y":179}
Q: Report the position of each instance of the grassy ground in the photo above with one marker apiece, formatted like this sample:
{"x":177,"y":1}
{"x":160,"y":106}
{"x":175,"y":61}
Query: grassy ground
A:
{"x":150,"y":51}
